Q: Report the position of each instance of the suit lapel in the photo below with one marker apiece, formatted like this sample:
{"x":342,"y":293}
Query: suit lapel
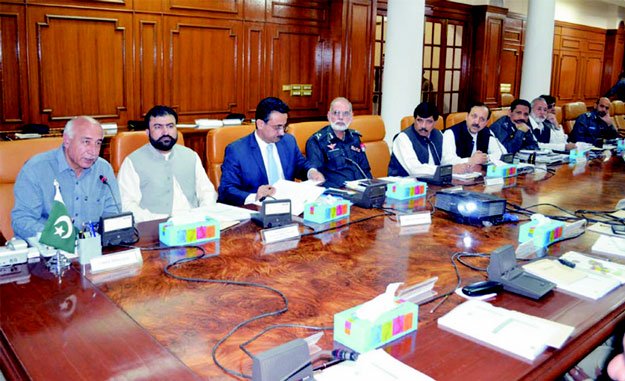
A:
{"x":257,"y":157}
{"x":284,"y":161}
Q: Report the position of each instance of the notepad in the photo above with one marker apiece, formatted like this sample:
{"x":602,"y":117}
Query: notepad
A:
{"x":518,"y":334}
{"x":571,"y":280}
{"x":609,"y":245}
{"x":596,"y":265}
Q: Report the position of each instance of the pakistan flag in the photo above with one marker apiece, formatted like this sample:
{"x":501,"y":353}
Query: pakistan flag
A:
{"x":59,"y":231}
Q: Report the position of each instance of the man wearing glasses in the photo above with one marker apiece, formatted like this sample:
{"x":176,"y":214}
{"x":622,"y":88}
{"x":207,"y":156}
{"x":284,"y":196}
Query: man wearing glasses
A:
{"x":255,"y":162}
{"x":336,"y":149}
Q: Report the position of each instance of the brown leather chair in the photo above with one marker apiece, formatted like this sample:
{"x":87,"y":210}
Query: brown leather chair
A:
{"x":619,"y":115}
{"x":497,"y":114}
{"x":559,"y":114}
{"x":455,"y":118}
{"x":217,"y":140}
{"x":304,"y":130}
{"x":13,"y":155}
{"x":506,"y":99}
{"x":408,"y":121}
{"x":125,"y":143}
{"x":378,"y":153}
{"x":570,"y":112}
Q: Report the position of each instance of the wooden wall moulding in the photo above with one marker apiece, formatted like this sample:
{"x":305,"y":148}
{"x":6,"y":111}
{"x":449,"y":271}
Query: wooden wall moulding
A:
{"x":83,"y":65}
{"x":357,"y":59}
{"x":88,"y":4}
{"x":255,"y":82}
{"x":299,"y":12}
{"x":486,"y":59}
{"x":231,"y":9}
{"x":148,"y":84}
{"x":13,"y":76}
{"x":613,"y":56}
{"x":296,"y":57}
{"x":512,"y":52}
{"x":203,"y":62}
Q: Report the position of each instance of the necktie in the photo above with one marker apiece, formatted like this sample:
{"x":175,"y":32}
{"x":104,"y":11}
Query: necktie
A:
{"x":272,"y":166}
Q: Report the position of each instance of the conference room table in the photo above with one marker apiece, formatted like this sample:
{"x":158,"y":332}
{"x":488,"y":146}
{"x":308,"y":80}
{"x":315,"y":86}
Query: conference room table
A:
{"x":138,"y":323}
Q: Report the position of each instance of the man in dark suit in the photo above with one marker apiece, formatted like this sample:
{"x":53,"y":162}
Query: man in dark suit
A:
{"x":255,"y":162}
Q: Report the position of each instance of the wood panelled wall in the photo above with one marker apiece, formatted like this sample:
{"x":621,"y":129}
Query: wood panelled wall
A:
{"x":114,"y":59}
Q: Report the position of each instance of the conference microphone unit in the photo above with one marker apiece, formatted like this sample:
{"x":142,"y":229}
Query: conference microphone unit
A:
{"x":505,"y":157}
{"x":373,"y":194}
{"x":117,"y":229}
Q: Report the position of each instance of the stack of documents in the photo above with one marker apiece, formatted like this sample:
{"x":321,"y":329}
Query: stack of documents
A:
{"x":519,"y":334}
{"x":609,"y":245}
{"x":585,"y":283}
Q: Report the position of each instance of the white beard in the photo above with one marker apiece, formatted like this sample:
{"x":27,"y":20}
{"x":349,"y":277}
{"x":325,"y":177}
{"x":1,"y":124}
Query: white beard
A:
{"x":338,"y":127}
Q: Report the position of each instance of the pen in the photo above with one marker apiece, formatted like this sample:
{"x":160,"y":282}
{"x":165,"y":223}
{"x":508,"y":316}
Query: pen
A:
{"x":566,"y":263}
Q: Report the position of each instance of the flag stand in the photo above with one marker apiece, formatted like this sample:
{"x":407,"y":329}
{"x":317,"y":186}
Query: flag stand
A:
{"x":58,"y":264}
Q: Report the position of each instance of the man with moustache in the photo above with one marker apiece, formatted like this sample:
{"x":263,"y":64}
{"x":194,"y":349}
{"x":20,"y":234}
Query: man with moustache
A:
{"x":513,"y":130}
{"x":336,"y":150}
{"x":163,"y":177}
{"x":254,"y":163}
{"x":593,"y":125}
{"x":469,"y":144}
{"x":549,"y":135}
{"x":417,"y":149}
{"x":77,"y":167}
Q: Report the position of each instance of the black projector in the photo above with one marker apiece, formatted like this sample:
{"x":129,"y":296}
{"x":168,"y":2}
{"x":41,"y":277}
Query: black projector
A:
{"x":471,"y":207}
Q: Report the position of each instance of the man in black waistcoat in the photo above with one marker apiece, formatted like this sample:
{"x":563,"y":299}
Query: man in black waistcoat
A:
{"x":417,"y":150}
{"x":470,"y":143}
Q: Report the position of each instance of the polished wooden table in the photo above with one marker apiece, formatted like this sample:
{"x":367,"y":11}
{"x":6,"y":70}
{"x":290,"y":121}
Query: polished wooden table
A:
{"x":147,"y":325}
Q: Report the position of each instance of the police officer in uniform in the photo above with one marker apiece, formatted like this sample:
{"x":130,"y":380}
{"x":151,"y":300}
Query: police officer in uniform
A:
{"x":593,"y":125}
{"x":335,"y":150}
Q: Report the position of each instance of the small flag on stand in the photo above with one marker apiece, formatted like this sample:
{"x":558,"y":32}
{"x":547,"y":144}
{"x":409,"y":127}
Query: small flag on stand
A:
{"x":59,"y":231}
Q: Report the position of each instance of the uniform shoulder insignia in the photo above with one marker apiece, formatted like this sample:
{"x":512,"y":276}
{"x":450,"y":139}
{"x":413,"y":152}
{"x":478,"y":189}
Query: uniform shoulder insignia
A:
{"x":318,"y":135}
{"x":588,"y":114}
{"x":356,"y":132}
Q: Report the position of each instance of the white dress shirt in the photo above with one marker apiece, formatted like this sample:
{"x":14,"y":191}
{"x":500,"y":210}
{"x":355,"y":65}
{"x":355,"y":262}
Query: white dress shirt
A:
{"x":130,"y":189}
{"x":495,"y":149}
{"x":251,"y":198}
{"x":557,"y":138}
{"x":407,"y":157}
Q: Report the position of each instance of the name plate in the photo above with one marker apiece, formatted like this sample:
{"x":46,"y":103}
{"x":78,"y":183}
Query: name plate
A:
{"x":573,"y":229}
{"x":419,"y":218}
{"x":114,"y":261}
{"x":281,"y":233}
{"x":493,"y":181}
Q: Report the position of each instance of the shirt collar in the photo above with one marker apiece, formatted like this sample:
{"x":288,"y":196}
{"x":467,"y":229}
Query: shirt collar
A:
{"x":536,"y":124}
{"x":159,"y":154}
{"x":261,"y":143}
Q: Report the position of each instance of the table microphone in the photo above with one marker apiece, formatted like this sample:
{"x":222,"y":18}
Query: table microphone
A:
{"x":105,"y":181}
{"x":364,"y":175}
{"x":505,"y":157}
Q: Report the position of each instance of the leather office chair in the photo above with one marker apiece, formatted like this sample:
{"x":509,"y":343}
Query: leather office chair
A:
{"x":216,"y":141}
{"x":506,"y":99}
{"x":125,"y":143}
{"x":13,"y":155}
{"x":304,"y":130}
{"x":559,"y":114}
{"x":455,"y":118}
{"x":378,"y":153}
{"x":619,"y":115}
{"x":373,"y":131}
{"x":408,"y":121}
{"x":497,"y":114}
{"x":570,"y":112}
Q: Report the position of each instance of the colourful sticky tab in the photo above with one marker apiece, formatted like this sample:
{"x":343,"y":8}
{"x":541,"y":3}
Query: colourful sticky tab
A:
{"x":376,"y":338}
{"x":201,"y":232}
{"x":397,"y":325}
{"x":387,"y":330}
{"x":210,"y":231}
{"x":191,"y":235}
{"x":181,"y":235}
{"x":348,"y":327}
{"x":408,"y":321}
{"x":394,"y":188}
{"x":332,"y":212}
{"x":312,"y":210}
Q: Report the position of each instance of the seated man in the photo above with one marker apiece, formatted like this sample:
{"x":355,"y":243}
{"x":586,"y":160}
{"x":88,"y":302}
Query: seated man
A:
{"x":546,"y":129}
{"x":417,"y":149}
{"x":470,"y":143}
{"x":255,"y":162}
{"x":513,"y":130}
{"x":77,"y":168}
{"x":163,"y":177}
{"x":593,"y":125}
{"x":336,"y":150}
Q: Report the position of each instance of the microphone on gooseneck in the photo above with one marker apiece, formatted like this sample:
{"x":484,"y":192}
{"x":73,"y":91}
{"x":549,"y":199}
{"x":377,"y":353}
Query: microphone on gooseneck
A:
{"x":431,"y":144}
{"x":501,"y":148}
{"x":105,"y":181}
{"x":364,"y":175}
